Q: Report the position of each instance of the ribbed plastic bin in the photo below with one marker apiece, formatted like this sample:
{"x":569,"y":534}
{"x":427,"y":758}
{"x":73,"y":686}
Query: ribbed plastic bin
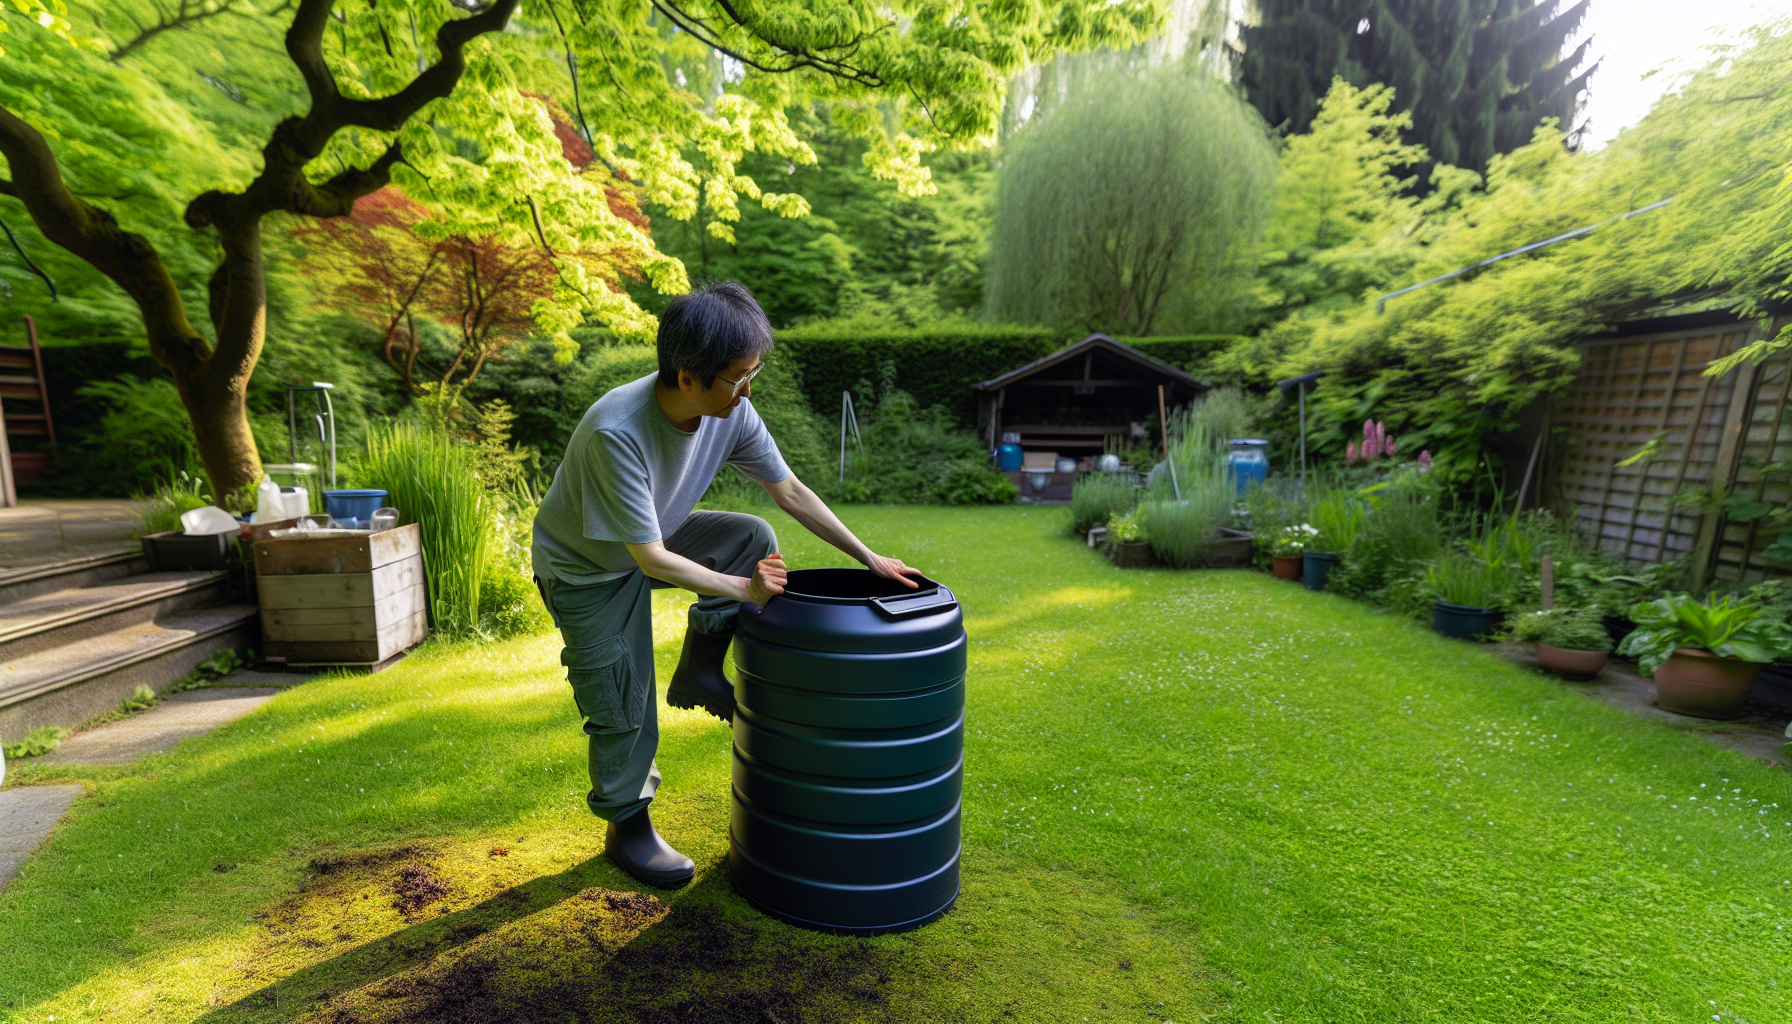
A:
{"x":849,"y":752}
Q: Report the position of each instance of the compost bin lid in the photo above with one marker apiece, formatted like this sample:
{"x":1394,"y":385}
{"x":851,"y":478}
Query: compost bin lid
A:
{"x":857,"y":610}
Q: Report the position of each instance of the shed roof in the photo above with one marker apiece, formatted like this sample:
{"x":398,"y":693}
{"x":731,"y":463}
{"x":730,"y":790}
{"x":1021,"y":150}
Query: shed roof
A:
{"x":1155,"y":367}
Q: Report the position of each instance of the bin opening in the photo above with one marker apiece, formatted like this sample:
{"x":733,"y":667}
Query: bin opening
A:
{"x":848,"y":585}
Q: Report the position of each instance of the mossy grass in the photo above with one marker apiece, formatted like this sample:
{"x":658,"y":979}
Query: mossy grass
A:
{"x":1189,"y":795}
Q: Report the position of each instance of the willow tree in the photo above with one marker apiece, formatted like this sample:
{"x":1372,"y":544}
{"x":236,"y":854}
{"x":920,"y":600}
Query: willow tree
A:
{"x":434,"y":96}
{"x":1133,"y":208}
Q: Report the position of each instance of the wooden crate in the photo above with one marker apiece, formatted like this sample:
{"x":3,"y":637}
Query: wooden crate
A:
{"x":342,"y":600}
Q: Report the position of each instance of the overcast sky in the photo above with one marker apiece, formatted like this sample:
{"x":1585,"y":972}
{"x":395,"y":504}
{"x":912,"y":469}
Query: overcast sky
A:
{"x":1634,"y":37}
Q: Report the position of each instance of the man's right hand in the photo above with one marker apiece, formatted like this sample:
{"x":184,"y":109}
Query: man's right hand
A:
{"x":768,"y":579}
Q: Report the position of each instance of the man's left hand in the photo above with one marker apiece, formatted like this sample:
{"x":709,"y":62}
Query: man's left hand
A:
{"x":892,"y":568}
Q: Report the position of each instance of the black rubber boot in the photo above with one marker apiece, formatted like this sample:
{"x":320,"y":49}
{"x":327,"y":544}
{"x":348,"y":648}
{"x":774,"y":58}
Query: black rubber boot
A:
{"x":698,"y":680}
{"x":637,"y":849}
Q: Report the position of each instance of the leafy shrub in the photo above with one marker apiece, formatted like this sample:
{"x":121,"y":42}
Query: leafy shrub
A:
{"x":1591,"y":579}
{"x":917,"y":456}
{"x":1096,"y":496}
{"x":1724,"y":626}
{"x":1126,"y":527}
{"x":1225,"y":413}
{"x":433,"y":480}
{"x":1272,"y":506}
{"x":1570,"y":629}
{"x":1399,"y":531}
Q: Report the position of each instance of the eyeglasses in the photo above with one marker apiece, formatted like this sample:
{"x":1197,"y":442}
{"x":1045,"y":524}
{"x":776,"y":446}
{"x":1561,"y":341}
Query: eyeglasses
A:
{"x":744,"y":381}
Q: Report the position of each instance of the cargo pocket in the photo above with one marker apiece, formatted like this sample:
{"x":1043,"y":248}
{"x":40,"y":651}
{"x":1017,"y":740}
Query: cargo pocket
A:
{"x":605,"y":686}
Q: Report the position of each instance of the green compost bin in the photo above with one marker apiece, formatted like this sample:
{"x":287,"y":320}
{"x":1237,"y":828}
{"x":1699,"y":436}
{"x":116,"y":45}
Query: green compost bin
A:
{"x":849,"y":752}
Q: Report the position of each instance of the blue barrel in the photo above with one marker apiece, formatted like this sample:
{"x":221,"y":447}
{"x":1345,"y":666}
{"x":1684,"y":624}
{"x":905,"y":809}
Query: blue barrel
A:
{"x":1250,"y":460}
{"x":1009,"y":457}
{"x":849,"y":752}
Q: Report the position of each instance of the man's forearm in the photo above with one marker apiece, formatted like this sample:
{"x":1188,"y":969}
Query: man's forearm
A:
{"x":807,"y":508}
{"x":681,"y":572}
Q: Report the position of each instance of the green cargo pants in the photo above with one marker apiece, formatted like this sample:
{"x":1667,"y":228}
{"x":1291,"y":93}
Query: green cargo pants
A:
{"x":608,"y":631}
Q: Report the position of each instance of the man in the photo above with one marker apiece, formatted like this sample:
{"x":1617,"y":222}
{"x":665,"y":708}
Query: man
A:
{"x":618,"y":522}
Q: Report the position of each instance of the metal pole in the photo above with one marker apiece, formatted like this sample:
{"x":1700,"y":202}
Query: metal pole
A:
{"x":1303,"y":433}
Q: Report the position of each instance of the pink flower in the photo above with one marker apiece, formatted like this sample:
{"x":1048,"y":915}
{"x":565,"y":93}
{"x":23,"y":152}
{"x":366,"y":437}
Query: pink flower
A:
{"x":1424,"y":462}
{"x":1350,"y":452}
{"x":1388,"y":446}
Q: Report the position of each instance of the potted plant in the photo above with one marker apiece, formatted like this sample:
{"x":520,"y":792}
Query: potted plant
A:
{"x":1286,"y":552}
{"x":1338,"y":516}
{"x":1571,"y":643}
{"x":1127,"y":546}
{"x":1703,"y":655}
{"x":1468,"y":594}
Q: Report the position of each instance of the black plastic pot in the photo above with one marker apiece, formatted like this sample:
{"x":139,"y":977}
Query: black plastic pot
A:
{"x":1464,"y":622}
{"x":175,"y":550}
{"x":849,"y":752}
{"x":1316,"y":567}
{"x":1617,"y":627}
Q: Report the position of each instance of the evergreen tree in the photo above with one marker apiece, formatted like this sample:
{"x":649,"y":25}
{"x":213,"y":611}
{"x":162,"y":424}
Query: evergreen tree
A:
{"x":1477,"y":76}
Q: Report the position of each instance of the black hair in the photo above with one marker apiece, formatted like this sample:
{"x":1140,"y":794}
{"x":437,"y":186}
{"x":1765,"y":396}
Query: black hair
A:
{"x":702,"y":332}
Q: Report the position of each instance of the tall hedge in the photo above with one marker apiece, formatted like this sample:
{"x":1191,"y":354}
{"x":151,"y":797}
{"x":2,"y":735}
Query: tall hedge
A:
{"x":1188,"y":352}
{"x":936,"y":366}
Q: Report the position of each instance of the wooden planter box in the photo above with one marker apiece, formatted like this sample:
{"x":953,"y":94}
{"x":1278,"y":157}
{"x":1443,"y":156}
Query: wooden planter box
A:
{"x":342,"y":600}
{"x":1130,"y":555}
{"x":1232,"y":550}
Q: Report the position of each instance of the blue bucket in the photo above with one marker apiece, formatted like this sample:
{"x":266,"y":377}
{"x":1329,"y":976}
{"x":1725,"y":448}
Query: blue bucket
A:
{"x":356,"y":505}
{"x":1009,"y":457}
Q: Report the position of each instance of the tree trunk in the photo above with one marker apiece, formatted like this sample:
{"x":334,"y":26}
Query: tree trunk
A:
{"x":226,"y":445}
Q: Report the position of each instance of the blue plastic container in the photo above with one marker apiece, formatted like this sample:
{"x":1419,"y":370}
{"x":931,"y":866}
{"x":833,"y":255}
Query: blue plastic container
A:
{"x":356,"y":505}
{"x":1250,"y":460}
{"x":1009,"y":457}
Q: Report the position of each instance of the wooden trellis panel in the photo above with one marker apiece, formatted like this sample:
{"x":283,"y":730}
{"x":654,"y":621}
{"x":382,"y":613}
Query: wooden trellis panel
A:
{"x":1764,"y":440}
{"x":1650,"y":389}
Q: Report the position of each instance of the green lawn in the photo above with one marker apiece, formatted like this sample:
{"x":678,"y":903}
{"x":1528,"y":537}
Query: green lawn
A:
{"x":1189,"y":796}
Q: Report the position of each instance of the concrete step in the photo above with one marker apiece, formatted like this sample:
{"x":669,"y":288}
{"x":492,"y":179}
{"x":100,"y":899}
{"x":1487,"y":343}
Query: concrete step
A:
{"x":68,"y":684}
{"x":83,"y":571}
{"x":62,"y":617}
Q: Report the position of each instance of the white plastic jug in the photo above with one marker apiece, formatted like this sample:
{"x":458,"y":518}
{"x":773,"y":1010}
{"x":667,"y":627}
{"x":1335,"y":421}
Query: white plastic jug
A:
{"x":269,"y":505}
{"x":296,"y":500}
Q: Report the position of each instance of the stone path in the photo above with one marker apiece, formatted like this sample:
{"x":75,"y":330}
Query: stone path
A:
{"x":180,"y":716}
{"x":1620,"y":686}
{"x":27,"y":814}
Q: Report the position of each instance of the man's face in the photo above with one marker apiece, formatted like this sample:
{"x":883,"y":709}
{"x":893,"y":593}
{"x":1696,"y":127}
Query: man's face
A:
{"x":721,"y":398}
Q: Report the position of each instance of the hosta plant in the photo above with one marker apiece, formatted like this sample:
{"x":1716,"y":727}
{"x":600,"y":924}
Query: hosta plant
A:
{"x":1724,"y":626}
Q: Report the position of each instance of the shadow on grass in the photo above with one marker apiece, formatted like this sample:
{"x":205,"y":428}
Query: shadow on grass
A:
{"x":559,"y":948}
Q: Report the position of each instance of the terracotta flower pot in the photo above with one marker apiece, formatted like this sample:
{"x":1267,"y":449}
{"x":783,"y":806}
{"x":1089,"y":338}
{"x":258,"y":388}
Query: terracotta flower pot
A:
{"x":1703,"y":685}
{"x":1286,"y":567}
{"x":1570,"y":663}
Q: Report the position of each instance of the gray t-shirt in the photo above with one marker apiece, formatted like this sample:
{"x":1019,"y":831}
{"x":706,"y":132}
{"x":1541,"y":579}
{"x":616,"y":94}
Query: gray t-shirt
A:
{"x":630,"y":477}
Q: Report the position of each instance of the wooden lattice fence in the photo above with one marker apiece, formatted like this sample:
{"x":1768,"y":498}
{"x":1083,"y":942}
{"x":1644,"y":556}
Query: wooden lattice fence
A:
{"x":1646,"y":393}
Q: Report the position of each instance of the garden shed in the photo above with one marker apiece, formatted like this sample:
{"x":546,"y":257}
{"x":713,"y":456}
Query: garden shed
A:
{"x":1070,"y":403}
